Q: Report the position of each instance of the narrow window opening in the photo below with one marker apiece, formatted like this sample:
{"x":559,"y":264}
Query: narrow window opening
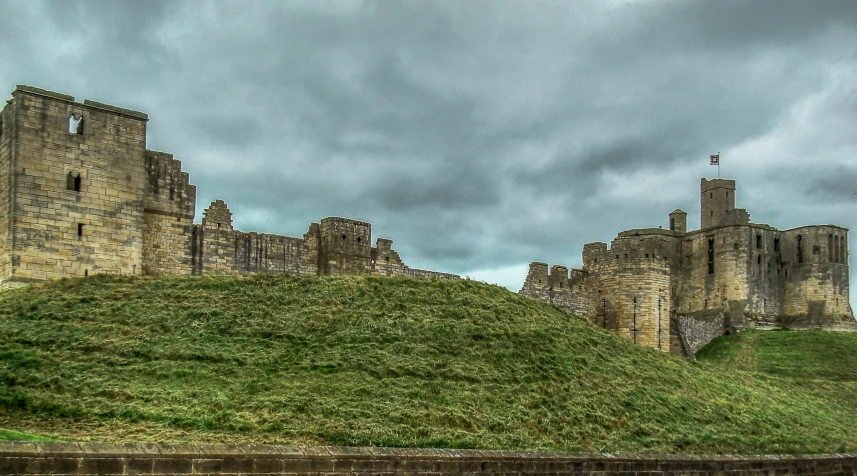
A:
{"x":711,"y":256}
{"x":830,"y":248}
{"x":727,"y":194}
{"x":358,"y":239}
{"x":86,"y":272}
{"x":387,"y":259}
{"x":80,"y":231}
{"x":711,"y":195}
{"x":776,"y":244}
{"x":787,"y":273}
{"x":711,"y":214}
{"x":672,"y":224}
{"x":800,"y":249}
{"x":647,"y":255}
{"x":843,"y":251}
{"x":343,"y":238}
{"x":75,"y":124}
{"x":836,"y":256}
{"x":218,"y":225}
{"x":706,"y":304}
{"x":758,"y":241}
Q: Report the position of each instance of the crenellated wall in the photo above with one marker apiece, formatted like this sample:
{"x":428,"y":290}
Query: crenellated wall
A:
{"x":677,"y":290}
{"x":82,"y":195}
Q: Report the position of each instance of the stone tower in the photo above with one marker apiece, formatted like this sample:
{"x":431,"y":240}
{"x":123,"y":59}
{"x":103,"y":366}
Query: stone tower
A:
{"x":717,"y":198}
{"x":73,"y":183}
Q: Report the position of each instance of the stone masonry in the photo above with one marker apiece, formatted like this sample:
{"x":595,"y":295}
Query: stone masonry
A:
{"x":676,"y":290}
{"x":81,"y":194}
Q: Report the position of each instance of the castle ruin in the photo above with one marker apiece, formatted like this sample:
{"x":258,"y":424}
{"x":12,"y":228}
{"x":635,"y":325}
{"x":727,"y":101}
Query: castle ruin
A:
{"x":676,"y":290}
{"x":81,"y":194}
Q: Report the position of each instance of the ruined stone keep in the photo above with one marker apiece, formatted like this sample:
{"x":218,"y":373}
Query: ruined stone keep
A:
{"x":81,"y":194}
{"x":676,"y":290}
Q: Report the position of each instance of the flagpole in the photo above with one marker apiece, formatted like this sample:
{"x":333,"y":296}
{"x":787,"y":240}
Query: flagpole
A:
{"x":718,"y":164}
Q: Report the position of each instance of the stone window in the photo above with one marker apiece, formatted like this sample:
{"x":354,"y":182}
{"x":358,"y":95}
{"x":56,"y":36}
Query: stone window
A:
{"x":75,"y":124}
{"x":836,"y":254}
{"x":758,"y":241}
{"x":711,"y":256}
{"x":799,"y":249}
{"x":830,"y":248}
{"x":843,"y":253}
{"x":672,"y":224}
{"x":776,"y":244}
{"x":72,"y":182}
{"x":80,"y":231}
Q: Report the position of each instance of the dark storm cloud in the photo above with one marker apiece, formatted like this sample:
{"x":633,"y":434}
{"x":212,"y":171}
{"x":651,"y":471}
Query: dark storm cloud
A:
{"x":480,"y":135}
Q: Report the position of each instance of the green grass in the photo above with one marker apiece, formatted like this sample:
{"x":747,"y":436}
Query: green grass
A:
{"x":12,"y":435}
{"x":376,"y":361}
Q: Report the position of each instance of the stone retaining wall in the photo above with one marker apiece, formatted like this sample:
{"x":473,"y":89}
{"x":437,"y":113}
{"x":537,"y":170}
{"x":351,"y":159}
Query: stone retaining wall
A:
{"x":20,"y":458}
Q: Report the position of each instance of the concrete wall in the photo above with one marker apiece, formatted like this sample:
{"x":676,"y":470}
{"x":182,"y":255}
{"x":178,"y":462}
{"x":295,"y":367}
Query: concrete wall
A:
{"x":23,"y":458}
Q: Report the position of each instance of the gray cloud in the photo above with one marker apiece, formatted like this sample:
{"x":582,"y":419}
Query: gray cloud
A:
{"x":479,"y":135}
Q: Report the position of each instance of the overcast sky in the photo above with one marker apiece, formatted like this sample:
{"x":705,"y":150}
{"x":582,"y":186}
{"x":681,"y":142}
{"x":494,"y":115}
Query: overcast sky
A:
{"x":478,"y":135}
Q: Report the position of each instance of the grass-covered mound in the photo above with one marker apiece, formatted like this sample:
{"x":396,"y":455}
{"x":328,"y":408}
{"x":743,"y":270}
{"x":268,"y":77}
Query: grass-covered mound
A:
{"x":373,"y":361}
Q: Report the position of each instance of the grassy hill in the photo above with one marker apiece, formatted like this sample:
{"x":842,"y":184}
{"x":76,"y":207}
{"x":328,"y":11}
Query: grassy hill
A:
{"x":376,"y":361}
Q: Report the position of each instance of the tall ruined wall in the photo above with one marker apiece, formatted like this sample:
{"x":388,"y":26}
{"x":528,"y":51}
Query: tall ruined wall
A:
{"x":817,"y":285}
{"x":7,"y":131}
{"x":217,"y":248}
{"x":78,"y":188}
{"x":169,"y":208}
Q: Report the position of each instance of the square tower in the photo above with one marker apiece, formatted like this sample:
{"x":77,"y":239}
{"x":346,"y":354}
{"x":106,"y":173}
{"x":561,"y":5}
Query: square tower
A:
{"x":346,"y":246}
{"x":717,"y":199}
{"x":73,"y":184}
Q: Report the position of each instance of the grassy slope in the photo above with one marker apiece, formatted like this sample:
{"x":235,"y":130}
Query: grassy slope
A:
{"x":817,"y":362}
{"x":373,"y":361}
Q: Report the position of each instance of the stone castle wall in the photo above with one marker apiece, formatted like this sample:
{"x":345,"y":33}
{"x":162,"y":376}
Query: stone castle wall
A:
{"x":77,"y":195}
{"x":82,"y":194}
{"x":674,"y":289}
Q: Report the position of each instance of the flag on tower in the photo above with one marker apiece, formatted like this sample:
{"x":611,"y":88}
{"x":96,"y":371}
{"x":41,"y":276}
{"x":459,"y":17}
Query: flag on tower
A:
{"x":715,"y":159}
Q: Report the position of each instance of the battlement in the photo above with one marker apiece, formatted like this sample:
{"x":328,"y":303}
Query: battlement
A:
{"x":656,"y":286}
{"x":21,"y":88}
{"x":89,"y":197}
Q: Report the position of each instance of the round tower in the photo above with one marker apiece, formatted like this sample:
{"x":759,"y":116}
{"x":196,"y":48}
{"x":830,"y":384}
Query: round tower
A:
{"x":678,"y":221}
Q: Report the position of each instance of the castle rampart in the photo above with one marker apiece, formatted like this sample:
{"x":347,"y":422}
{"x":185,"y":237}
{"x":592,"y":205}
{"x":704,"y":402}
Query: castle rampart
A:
{"x":82,"y":195}
{"x":676,"y":290}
